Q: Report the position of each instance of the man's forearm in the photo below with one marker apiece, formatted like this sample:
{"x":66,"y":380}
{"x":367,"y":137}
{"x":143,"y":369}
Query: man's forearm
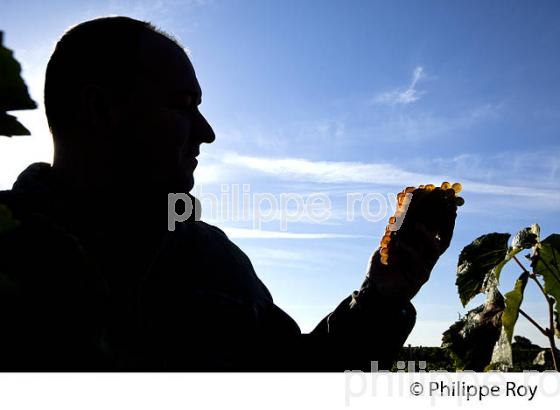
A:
{"x":363,"y":330}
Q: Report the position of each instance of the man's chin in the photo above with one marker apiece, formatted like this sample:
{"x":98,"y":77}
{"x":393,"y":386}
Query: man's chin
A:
{"x":182,"y":186}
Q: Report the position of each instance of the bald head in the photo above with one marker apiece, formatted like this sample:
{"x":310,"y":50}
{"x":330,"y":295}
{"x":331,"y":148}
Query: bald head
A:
{"x":105,"y":52}
{"x":122,"y":102}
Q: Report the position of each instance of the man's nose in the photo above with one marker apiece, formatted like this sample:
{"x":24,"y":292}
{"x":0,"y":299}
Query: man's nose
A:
{"x":202,"y":130}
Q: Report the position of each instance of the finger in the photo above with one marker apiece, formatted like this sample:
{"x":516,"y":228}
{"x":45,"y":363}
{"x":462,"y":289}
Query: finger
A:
{"x":447,"y":226}
{"x":442,"y":210}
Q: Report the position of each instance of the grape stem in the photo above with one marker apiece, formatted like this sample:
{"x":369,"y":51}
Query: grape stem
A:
{"x":530,"y":319}
{"x":551,"y":270}
{"x":549,"y":332}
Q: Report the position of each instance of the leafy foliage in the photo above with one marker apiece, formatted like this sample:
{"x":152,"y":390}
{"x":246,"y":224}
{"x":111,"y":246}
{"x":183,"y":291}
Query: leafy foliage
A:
{"x":13,"y":93}
{"x":513,"y":301}
{"x":476,"y":263}
{"x":546,"y":263}
{"x":438,"y":358}
{"x":471,"y":339}
{"x":502,"y":355}
{"x":482,"y":340}
{"x":557,"y":321}
{"x":526,"y":238}
{"x":523,"y":343}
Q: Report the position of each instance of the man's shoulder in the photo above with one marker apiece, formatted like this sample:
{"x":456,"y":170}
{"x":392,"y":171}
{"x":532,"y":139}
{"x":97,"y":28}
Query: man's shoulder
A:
{"x":216,"y":258}
{"x":209,"y":241}
{"x":205,"y":230}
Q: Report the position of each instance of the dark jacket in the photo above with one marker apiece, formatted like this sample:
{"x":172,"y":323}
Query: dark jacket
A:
{"x":97,"y":282}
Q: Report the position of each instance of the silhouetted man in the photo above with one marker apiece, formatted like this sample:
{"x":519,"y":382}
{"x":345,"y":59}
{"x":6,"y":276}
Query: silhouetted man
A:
{"x":92,"y":279}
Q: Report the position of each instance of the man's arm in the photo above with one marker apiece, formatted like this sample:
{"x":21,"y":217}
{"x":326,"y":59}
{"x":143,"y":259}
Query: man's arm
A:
{"x":365,"y":333}
{"x":372,"y":324}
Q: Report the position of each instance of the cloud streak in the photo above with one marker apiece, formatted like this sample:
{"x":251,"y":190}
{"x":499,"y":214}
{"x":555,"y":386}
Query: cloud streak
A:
{"x":244,"y":233}
{"x":404,"y":95}
{"x":370,"y":173}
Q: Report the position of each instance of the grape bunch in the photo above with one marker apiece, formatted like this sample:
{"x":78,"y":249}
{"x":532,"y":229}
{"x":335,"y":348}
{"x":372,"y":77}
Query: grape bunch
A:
{"x":428,"y":204}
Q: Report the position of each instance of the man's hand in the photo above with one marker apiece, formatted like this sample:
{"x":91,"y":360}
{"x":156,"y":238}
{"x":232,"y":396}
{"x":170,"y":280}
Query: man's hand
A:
{"x":415,"y":251}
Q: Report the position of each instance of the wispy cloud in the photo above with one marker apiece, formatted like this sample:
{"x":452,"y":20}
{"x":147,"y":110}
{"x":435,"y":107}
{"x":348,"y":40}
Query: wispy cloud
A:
{"x":404,"y":95}
{"x":275,"y":254}
{"x":325,"y":171}
{"x":370,"y":173}
{"x":414,"y":127}
{"x":244,"y":233}
{"x":540,"y":168}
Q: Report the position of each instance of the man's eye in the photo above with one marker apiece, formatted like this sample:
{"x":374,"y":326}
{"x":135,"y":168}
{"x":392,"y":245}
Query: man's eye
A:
{"x":183,"y":104}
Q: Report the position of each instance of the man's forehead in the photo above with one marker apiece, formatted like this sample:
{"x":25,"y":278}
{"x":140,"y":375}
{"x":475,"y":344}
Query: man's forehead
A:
{"x":167,"y":63}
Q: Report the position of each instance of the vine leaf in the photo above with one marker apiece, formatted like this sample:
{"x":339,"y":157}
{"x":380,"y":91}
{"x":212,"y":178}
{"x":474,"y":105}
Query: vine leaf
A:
{"x":13,"y":93}
{"x":513,"y":301}
{"x":478,"y":261}
{"x":471,"y":340}
{"x":502,"y":355}
{"x":546,"y":263}
{"x":526,"y":238}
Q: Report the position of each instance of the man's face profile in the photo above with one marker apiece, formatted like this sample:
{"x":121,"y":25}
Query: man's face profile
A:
{"x":161,"y":117}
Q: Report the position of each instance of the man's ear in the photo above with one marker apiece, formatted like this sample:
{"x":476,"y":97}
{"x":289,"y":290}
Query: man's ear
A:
{"x":97,"y":108}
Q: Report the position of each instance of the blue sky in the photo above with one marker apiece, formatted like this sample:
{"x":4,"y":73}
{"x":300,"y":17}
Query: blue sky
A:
{"x":350,"y":97}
